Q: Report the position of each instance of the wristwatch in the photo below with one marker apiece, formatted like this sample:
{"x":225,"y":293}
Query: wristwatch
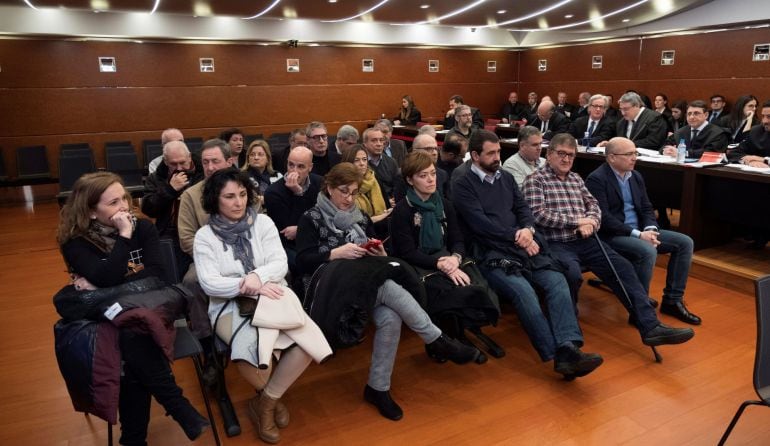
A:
{"x":459,"y":257}
{"x":531,"y":229}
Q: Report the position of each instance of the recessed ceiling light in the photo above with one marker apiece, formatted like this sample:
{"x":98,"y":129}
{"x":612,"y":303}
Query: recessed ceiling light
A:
{"x":501,"y":11}
{"x":332,"y":1}
{"x":569,"y":16}
{"x":626,"y":20}
{"x":424,"y":6}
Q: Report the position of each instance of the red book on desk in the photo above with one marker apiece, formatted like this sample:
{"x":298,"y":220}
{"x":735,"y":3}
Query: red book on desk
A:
{"x":712,"y":157}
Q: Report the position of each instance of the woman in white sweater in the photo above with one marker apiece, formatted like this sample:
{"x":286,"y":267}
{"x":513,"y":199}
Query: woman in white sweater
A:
{"x":239,"y":260}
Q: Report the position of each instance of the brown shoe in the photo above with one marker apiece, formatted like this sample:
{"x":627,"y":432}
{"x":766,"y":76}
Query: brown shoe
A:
{"x":281,"y":414}
{"x":262,"y":415}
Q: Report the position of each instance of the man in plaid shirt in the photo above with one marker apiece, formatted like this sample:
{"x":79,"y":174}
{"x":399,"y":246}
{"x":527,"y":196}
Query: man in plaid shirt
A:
{"x":568,"y":215}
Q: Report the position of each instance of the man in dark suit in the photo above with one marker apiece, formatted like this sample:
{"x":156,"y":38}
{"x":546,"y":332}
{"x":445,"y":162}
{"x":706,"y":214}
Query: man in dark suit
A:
{"x":645,"y":127}
{"x":394,"y":148}
{"x":385,"y":168}
{"x":513,"y":110}
{"x":599,"y":127}
{"x":318,"y":143}
{"x":563,"y":107}
{"x":584,"y":100}
{"x":449,"y":119}
{"x":628,"y":224}
{"x":548,"y":121}
{"x":699,"y":135}
{"x":717,"y":108}
{"x":531,"y":104}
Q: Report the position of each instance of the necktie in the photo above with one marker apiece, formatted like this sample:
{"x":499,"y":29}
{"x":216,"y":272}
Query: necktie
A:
{"x":713,"y":117}
{"x":591,"y":128}
{"x":545,"y":126}
{"x":693,"y":135}
{"x":629,"y":129}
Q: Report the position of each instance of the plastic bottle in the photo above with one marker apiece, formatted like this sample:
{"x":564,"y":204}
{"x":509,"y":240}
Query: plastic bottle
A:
{"x":587,"y":140}
{"x":681,"y":151}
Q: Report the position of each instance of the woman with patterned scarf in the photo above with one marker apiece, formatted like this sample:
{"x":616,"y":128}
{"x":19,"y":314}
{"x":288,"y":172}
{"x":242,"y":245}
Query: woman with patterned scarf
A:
{"x":239,"y":260}
{"x":104,"y":245}
{"x":335,"y":233}
{"x":426,"y":233}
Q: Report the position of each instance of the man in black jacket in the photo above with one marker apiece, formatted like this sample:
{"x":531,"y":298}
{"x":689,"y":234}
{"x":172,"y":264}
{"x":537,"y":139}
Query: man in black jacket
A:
{"x":629,"y":226}
{"x":646,"y":128}
{"x":449,"y":119}
{"x":548,"y":121}
{"x":755,"y":149}
{"x":699,"y":135}
{"x":513,"y":110}
{"x":599,"y":127}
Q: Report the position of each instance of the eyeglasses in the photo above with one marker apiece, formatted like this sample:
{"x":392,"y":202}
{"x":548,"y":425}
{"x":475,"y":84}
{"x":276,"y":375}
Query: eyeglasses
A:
{"x":631,"y":154}
{"x":346,"y":193}
{"x":717,"y":100}
{"x":464,"y":115}
{"x":626,"y":107}
{"x":377,"y":139}
{"x":428,"y":149}
{"x":321,"y":137}
{"x":565,"y":155}
{"x":596,"y":106}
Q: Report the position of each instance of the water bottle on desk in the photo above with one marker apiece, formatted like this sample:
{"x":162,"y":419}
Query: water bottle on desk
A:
{"x":681,"y":151}
{"x":586,"y":141}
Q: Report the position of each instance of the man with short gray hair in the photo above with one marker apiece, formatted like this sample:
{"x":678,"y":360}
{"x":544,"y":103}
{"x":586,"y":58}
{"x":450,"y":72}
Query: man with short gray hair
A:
{"x":463,"y":122}
{"x":599,"y":127}
{"x":527,"y":159}
{"x":646,"y":128}
{"x":168,"y":135}
{"x":318,"y":143}
{"x":394,"y":148}
{"x":347,"y":136}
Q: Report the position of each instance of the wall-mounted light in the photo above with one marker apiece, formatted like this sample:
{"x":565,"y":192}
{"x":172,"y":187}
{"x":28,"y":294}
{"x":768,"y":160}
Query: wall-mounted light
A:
{"x":107,"y":64}
{"x":206,"y":64}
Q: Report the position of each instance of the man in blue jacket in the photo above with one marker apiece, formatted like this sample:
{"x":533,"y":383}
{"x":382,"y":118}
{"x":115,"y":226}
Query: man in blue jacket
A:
{"x":628,"y":224}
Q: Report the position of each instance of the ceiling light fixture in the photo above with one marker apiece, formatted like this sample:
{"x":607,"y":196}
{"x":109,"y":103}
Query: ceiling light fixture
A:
{"x":572,"y":25}
{"x":569,"y":16}
{"x":626,"y":20}
{"x":502,"y":11}
{"x":31,"y":5}
{"x":534,"y":14}
{"x":202,"y":9}
{"x":357,"y":15}
{"x":424,"y":6}
{"x":264,"y":11}
{"x":155,"y":8}
{"x":332,"y":1}
{"x":452,"y":14}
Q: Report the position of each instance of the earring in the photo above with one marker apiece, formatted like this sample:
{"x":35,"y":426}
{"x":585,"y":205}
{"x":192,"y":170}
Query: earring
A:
{"x":93,"y":217}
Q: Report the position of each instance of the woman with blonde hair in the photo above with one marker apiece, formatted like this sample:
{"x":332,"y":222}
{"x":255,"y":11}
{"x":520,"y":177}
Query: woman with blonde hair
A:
{"x":259,"y":165}
{"x":369,"y":199}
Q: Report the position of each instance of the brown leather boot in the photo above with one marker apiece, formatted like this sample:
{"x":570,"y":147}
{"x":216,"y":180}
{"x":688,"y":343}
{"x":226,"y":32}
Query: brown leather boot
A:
{"x":262,"y":415}
{"x":281,"y":414}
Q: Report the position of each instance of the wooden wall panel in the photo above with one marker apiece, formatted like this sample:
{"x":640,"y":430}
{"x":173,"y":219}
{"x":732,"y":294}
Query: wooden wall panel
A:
{"x":706,"y":63}
{"x":57,"y":94}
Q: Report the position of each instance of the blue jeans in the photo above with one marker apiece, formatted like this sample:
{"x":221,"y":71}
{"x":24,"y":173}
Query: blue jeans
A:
{"x":544,"y":335}
{"x":587,"y":252}
{"x":642,"y":256}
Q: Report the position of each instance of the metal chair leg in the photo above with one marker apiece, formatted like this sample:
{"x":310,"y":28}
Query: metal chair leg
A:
{"x":737,"y":416}
{"x":199,"y":371}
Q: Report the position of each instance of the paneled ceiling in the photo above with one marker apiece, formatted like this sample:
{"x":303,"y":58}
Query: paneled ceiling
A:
{"x":543,"y":15}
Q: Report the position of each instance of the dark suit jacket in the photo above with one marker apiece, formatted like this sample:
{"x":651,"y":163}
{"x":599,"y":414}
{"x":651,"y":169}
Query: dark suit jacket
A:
{"x":604,"y":130}
{"x":757,"y":143}
{"x":649,"y":131}
{"x":711,"y":139}
{"x":579,"y":112}
{"x":567,"y":108}
{"x":718,"y":117}
{"x":517,"y":111}
{"x":557,"y":124}
{"x":603,"y":185}
{"x":613,"y":113}
{"x":414,"y":117}
{"x":398,"y":150}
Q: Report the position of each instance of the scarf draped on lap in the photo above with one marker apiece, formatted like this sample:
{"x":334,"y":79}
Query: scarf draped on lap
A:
{"x":347,"y":224}
{"x":237,"y":236}
{"x":431,"y":213}
{"x":369,"y":198}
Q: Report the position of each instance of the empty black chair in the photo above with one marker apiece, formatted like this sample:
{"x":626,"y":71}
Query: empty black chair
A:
{"x":194,"y":144}
{"x":3,"y":172}
{"x":118,"y":144}
{"x":762,"y":355}
{"x":151,"y":152}
{"x":248,"y":139}
{"x":70,"y":169}
{"x":126,"y":165}
{"x":32,"y":163}
{"x":279,"y":140}
{"x":73,"y":146}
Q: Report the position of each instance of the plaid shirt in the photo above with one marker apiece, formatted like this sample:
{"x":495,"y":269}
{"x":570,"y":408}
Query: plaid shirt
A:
{"x":557,"y":205}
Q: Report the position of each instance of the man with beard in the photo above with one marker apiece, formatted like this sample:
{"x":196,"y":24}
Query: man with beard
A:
{"x":463,"y":123}
{"x":500,"y":225}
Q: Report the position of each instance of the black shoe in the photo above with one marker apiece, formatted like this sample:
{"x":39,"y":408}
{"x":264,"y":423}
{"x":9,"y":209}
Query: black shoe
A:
{"x":193,"y":423}
{"x":433,"y":355}
{"x":679,"y":311}
{"x":455,"y":351}
{"x":663,"y":334}
{"x":384,"y":403}
{"x":573,"y":363}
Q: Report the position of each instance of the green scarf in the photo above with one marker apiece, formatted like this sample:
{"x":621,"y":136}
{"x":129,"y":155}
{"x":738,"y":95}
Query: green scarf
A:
{"x":431,"y":213}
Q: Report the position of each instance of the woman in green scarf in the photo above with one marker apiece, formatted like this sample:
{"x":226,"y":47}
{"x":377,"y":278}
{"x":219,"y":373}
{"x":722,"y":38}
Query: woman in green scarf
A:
{"x":426,"y":233}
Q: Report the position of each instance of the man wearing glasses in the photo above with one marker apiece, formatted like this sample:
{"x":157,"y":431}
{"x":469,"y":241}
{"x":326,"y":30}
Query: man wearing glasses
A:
{"x":646,"y":128}
{"x":717,"y":108}
{"x":599,"y":127}
{"x":385,"y":168}
{"x":318,"y":142}
{"x":699,"y":135}
{"x":630,"y":227}
{"x":463,"y":122}
{"x":454,"y":102}
{"x":568,"y":215}
{"x":549,"y":121}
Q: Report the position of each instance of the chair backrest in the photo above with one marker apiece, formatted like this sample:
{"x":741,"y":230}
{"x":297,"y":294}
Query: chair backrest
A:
{"x":73,"y":167}
{"x":126,"y":165}
{"x":32,"y":162}
{"x":170,"y":263}
{"x":491,"y":121}
{"x":762,"y":357}
{"x":248,"y":139}
{"x":195,"y":145}
{"x":3,"y":172}
{"x":118,"y":147}
{"x":73,"y":146}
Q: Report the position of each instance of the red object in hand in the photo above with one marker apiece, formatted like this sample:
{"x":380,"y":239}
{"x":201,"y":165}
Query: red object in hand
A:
{"x":371,"y":243}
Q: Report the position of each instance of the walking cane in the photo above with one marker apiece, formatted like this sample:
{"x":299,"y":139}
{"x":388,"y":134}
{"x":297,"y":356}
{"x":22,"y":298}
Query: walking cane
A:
{"x":629,"y":304}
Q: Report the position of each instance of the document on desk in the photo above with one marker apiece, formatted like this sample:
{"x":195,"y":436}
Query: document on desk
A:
{"x":744,"y":168}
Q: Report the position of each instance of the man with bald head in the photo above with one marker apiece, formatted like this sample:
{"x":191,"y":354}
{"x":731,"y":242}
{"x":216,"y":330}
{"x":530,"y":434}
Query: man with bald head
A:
{"x":548,"y":121}
{"x":168,"y":135}
{"x":513,"y":110}
{"x":427,"y":144}
{"x":628,"y":224}
{"x":288,"y":198}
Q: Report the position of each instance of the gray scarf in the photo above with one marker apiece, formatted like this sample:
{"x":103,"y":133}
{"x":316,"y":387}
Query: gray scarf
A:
{"x":236,"y":235}
{"x":345,"y":224}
